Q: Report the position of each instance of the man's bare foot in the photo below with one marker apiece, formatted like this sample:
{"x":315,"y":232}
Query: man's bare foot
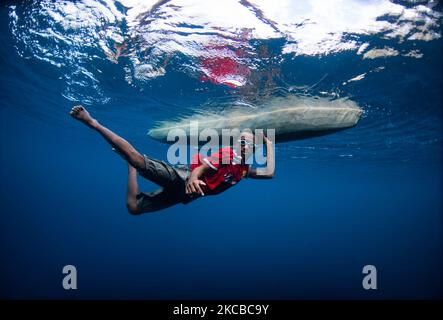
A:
{"x":81,"y":114}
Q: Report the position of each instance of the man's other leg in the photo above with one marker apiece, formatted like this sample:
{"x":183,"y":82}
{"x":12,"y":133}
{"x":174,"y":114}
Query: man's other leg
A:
{"x":132,"y":191}
{"x":142,"y":202}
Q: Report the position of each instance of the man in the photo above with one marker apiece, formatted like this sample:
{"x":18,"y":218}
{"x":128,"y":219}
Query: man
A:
{"x":205,"y":176}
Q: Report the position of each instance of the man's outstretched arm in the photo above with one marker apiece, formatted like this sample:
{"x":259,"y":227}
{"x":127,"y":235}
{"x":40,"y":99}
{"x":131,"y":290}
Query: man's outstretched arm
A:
{"x":268,"y":172}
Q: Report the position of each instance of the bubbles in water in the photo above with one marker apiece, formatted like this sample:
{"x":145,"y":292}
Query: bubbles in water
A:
{"x":213,"y":37}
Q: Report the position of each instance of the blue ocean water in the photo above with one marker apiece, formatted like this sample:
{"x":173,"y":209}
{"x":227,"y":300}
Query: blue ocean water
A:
{"x":369,"y":195}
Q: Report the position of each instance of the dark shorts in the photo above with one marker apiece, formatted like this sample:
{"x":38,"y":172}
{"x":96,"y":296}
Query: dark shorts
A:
{"x":172,"y":181}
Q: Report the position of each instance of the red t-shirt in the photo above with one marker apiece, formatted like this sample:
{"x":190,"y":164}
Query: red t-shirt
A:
{"x":226,"y":170}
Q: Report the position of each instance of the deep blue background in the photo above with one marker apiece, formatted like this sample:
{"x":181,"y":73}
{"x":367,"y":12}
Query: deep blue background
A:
{"x":305,"y":234}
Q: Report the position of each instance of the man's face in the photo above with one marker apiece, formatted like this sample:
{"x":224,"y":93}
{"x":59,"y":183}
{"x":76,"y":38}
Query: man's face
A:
{"x":245,"y":144}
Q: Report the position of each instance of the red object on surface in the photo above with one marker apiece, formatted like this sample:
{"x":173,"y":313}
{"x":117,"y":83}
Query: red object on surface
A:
{"x":224,"y":69}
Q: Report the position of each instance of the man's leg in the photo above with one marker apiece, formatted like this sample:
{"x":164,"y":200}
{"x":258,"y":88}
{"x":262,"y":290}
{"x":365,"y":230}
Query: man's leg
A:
{"x":132,"y":191}
{"x":137,"y":202}
{"x":141,"y":202}
{"x":131,"y":155}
